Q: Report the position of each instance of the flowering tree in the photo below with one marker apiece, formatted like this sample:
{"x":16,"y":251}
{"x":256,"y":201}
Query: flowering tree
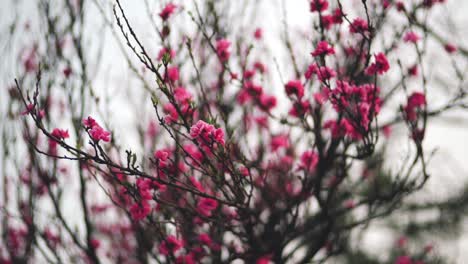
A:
{"x":221,"y":166}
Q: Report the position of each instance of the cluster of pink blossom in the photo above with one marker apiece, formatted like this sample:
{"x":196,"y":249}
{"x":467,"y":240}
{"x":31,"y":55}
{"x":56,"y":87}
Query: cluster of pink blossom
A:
{"x":96,"y":132}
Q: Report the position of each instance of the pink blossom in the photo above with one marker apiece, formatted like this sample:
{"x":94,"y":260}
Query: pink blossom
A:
{"x":205,"y":206}
{"x":267,"y":102}
{"x":327,"y":21}
{"x":358,"y":25}
{"x":412,"y":37}
{"x":67,"y":72}
{"x":60,"y":133}
{"x":29,"y":109}
{"x":294,"y":87}
{"x":415,"y":101}
{"x":312,"y":69}
{"x":258,"y":34}
{"x":309,"y":160}
{"x":300,"y":108}
{"x":173,"y":74}
{"x":450,"y":48}
{"x":260,"y":67}
{"x":89,"y":122}
{"x":318,"y":5}
{"x":52,"y":238}
{"x":98,"y":133}
{"x":413,"y":70}
{"x":265,"y":259}
{"x":172,"y":114}
{"x":95,"y":243}
{"x":403,"y":260}
{"x":337,"y":16}
{"x":323,"y":49}
{"x":182,"y":95}
{"x":380,"y":66}
{"x":205,"y":239}
{"x":167,"y":51}
{"x":223,"y":49}
{"x":320,"y":98}
{"x":186,"y":259}
{"x":279,"y":141}
{"x":206,"y":133}
{"x":387,"y":131}
{"x":167,"y":11}
{"x":349,"y":204}
{"x":170,"y":245}
{"x":325,"y":73}
{"x":139,"y":211}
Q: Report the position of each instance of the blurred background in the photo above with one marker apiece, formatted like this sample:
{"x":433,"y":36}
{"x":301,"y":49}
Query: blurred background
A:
{"x":446,"y":138}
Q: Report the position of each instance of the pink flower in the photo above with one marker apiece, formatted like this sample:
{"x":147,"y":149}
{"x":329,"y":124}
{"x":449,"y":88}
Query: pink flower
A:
{"x":279,"y":141}
{"x":196,"y":184}
{"x":98,"y":133}
{"x":167,"y":51}
{"x":51,"y":237}
{"x":318,"y":5}
{"x":309,"y":160}
{"x":167,"y":11}
{"x":170,"y":245}
{"x":223,"y":49}
{"x":152,"y":129}
{"x":412,"y":37}
{"x":182,"y":95}
{"x":294,"y":87}
{"x":403,"y":260}
{"x":205,"y":206}
{"x":267,"y":102}
{"x":416,"y":101}
{"x":359,"y":25}
{"x":450,"y":48}
{"x":327,"y":21}
{"x":89,"y":122}
{"x":60,"y":133}
{"x":260,"y":67}
{"x":325,"y":73}
{"x":95,"y":243}
{"x":29,"y":109}
{"x":380,"y":66}
{"x":264,"y":259}
{"x":349,"y":204}
{"x":323,"y":48}
{"x":206,"y":133}
{"x":186,"y":259}
{"x":95,"y":130}
{"x":139,"y":211}
{"x":337,"y":16}
{"x":193,"y":152}
{"x":387,"y":131}
{"x":413,"y":70}
{"x":312,"y":69}
{"x":172,"y":114}
{"x":67,"y":72}
{"x":205,"y":239}
{"x":201,"y":128}
{"x":258,"y":34}
{"x":320,"y":98}
{"x":30,"y":62}
{"x":161,"y":157}
{"x":300,"y":108}
{"x":173,"y":74}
